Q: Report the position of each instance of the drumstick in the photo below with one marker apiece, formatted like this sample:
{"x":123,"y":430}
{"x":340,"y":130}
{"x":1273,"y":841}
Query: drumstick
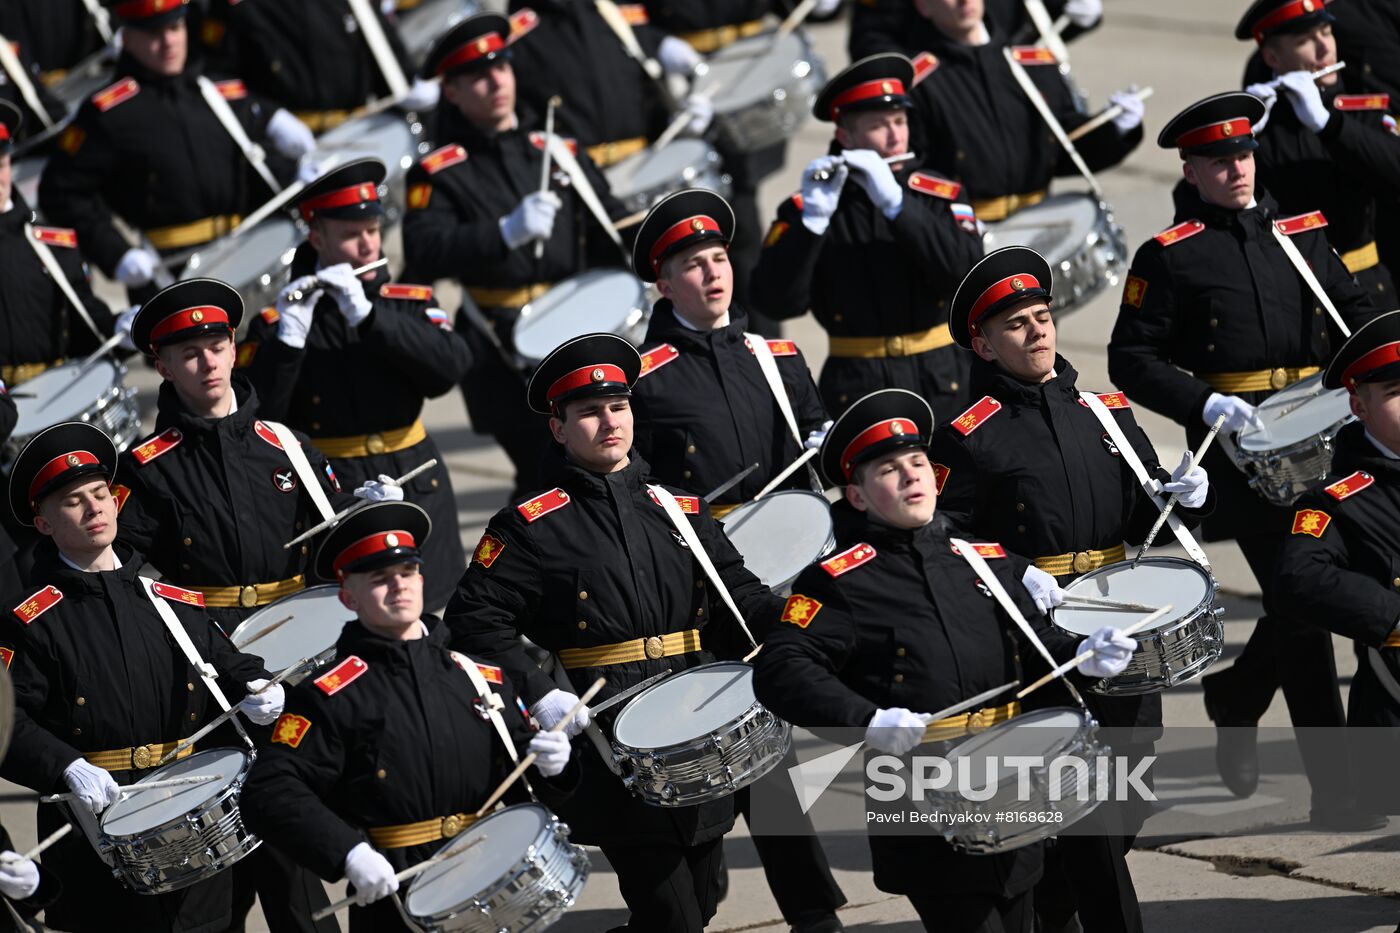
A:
{"x":631,"y":691}
{"x":790,"y":469}
{"x":138,"y":788}
{"x":1084,"y":129}
{"x":107,"y":347}
{"x":1171,"y":502}
{"x":267,"y":631}
{"x":298,"y":294}
{"x":529,"y":759}
{"x":232,"y":711}
{"x":49,"y":840}
{"x":635,"y":217}
{"x":1108,"y":603}
{"x":336,"y":518}
{"x":554,"y":102}
{"x":969,"y":703}
{"x":723,"y":487}
{"x":1079,"y":659}
{"x":411,"y":872}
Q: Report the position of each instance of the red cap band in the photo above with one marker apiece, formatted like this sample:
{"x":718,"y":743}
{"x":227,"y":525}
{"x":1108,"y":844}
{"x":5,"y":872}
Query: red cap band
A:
{"x":1214,"y":133}
{"x":1283,"y":14}
{"x":678,"y":232}
{"x":362,"y":193}
{"x":373,"y":544}
{"x":56,"y":468}
{"x":885,"y":87}
{"x":1383,"y":355}
{"x":184,"y":320}
{"x":479,"y":47}
{"x":141,"y":9}
{"x":585,"y":375}
{"x":999,"y":290}
{"x":4,"y":133}
{"x":884,"y":430}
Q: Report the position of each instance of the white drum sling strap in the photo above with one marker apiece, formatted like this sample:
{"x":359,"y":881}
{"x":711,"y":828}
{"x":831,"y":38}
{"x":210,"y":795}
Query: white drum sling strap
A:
{"x":1306,"y":272}
{"x":229,"y":120}
{"x":55,"y":271}
{"x":309,"y":480}
{"x":769,"y":366}
{"x":490,"y":699}
{"x":378,"y":44}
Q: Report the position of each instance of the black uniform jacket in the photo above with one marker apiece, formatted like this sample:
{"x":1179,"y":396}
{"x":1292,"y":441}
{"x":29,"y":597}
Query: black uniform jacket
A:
{"x":149,"y":150}
{"x":704,"y":411}
{"x":1224,"y":299}
{"x":594,"y":562}
{"x":880,"y":25}
{"x":56,"y":33}
{"x":913,"y":627}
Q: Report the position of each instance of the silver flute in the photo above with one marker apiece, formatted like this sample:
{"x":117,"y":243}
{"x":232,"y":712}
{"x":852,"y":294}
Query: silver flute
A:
{"x":824,"y":174}
{"x":297,"y":294}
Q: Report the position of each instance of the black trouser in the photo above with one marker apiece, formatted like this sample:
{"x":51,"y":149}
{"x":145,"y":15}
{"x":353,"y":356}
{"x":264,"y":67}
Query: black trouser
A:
{"x":796,"y":869}
{"x":289,"y":894}
{"x":974,"y":913}
{"x":668,"y":889}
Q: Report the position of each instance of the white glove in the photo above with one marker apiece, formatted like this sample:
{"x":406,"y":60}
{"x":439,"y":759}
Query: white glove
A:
{"x":815,"y":439}
{"x":1306,"y":99}
{"x":1111,"y":648}
{"x":95,"y":788}
{"x":422,"y":96}
{"x":348,"y":291}
{"x":294,"y":321}
{"x":532,"y":219}
{"x":1239,"y":414}
{"x":677,"y":57}
{"x":137,"y":267}
{"x":552,"y":707}
{"x":874,"y":175}
{"x":825,"y":8}
{"x":1084,"y":13}
{"x":699,"y":110}
{"x":263,"y":708}
{"x":1190,"y":481}
{"x":19,"y":876}
{"x":290,"y":136}
{"x":123,"y":327}
{"x":1133,"y":110}
{"x":370,"y":874}
{"x":820,"y":198}
{"x":894,"y":731}
{"x":552,"y":749}
{"x":384,"y":490}
{"x":1043,"y":588}
{"x":1266,"y":91}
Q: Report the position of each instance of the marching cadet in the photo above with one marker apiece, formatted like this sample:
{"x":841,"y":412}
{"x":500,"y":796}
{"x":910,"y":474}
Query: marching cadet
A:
{"x":697,"y":353}
{"x":350,"y":359}
{"x":151,"y":150}
{"x":875,"y":260}
{"x":398,"y":742}
{"x":94,"y":627}
{"x":864,"y":645}
{"x":1338,"y":562}
{"x":475,"y":214}
{"x":593,"y":571}
{"x":1326,"y":150}
{"x":27,"y":885}
{"x":1031,"y":466}
{"x":1214,"y":319}
{"x":876,"y":25}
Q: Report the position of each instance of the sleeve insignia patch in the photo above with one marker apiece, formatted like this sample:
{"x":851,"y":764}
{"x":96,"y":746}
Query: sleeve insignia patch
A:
{"x":7,"y":655}
{"x":1134,"y":291}
{"x":121,"y":494}
{"x":290,"y":729}
{"x":487,"y":550}
{"x":419,"y":196}
{"x":1311,"y":522}
{"x":940,"y":477}
{"x":800,"y":610}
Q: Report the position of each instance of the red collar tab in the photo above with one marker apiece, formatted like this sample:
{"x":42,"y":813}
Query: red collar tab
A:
{"x":479,"y":47}
{"x":677,"y":232}
{"x":1289,"y":11}
{"x":884,"y":87}
{"x":56,"y":468}
{"x":1383,"y":355}
{"x":371,"y":545}
{"x":189,"y":317}
{"x":884,"y":430}
{"x":344,"y":197}
{"x":1214,"y":133}
{"x":996,"y":292}
{"x":585,"y":375}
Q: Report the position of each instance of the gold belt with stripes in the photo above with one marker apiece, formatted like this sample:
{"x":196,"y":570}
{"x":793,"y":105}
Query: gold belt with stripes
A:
{"x":955,"y":727}
{"x":1393,"y":641}
{"x":611,"y":153}
{"x":318,"y":121}
{"x":993,"y":209}
{"x":508,"y":297}
{"x":638,"y":649}
{"x":368,"y":445}
{"x":706,"y":41}
{"x":1361,"y":258}
{"x":1058,"y":565}
{"x":194,"y":233}
{"x":1260,"y":380}
{"x":416,"y":834}
{"x":254,"y":594}
{"x":137,"y":758}
{"x":898,"y":345}
{"x":719,"y":511}
{"x":17,"y":373}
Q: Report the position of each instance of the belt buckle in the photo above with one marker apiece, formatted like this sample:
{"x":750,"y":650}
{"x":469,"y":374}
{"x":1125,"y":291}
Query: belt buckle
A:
{"x":247,"y":596}
{"x":452,"y":825}
{"x":1278,"y":378}
{"x":1083,"y":563}
{"x":654,"y":648}
{"x":374,"y":443}
{"x":141,"y":756}
{"x":894,"y":346}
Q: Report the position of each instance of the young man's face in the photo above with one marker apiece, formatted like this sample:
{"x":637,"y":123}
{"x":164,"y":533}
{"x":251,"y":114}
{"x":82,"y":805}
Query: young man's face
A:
{"x":1309,"y":51}
{"x":354,"y":241}
{"x":162,"y":50}
{"x":1226,"y":181}
{"x":898,"y":489}
{"x":81,"y":517}
{"x":952,"y":17}
{"x":201,"y":369}
{"x":885,"y":131}
{"x":388,"y":600}
{"x":699,"y":281}
{"x":6,"y":179}
{"x":1377,"y":405}
{"x":596,"y":432}
{"x":1020,"y":341}
{"x":485,"y":96}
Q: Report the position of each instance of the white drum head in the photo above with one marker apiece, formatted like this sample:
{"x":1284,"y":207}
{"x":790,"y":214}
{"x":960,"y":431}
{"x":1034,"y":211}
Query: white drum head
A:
{"x":671,"y":168}
{"x":241,"y":261}
{"x":686,"y":705}
{"x":780,"y":534}
{"x":140,"y":812}
{"x":748,"y":82}
{"x":384,"y":136}
{"x":1291,"y":416}
{"x":317,"y":618}
{"x":58,"y":397}
{"x":420,"y":27}
{"x":1156,"y":581}
{"x":444,"y":887}
{"x":1042,"y":732}
{"x":1057,"y":227}
{"x":598,"y":301}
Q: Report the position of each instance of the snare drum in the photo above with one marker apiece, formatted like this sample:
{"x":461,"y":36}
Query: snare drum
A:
{"x":99,"y":396}
{"x":168,"y":839}
{"x":257,"y":262}
{"x":420,"y":26}
{"x":641,"y":180}
{"x":1292,"y":453}
{"x":781,"y":534}
{"x":523,"y":878}
{"x":1179,"y":648}
{"x":1076,"y":233}
{"x":1053,"y":802}
{"x":386,"y":136}
{"x":597,"y":301}
{"x":698,"y":735}
{"x":317,"y":619}
{"x":764,"y":93}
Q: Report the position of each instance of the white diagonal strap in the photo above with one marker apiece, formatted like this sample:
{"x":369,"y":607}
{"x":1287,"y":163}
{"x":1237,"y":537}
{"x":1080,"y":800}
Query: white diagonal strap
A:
{"x":1149,"y":485}
{"x":1018,"y":71}
{"x":618,"y":24}
{"x":309,"y":481}
{"x":182,"y":638}
{"x":100,"y":19}
{"x":769,"y":367}
{"x":55,"y":271}
{"x":672,"y":508}
{"x":566,"y":161}
{"x":1306,"y":272}
{"x":490,"y":699}
{"x":378,"y":44}
{"x":1049,"y":35}
{"x":229,"y":120}
{"x":20,"y":78}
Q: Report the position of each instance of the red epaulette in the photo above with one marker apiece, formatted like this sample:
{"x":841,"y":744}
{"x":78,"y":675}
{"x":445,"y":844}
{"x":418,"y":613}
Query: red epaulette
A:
{"x":491,"y":673}
{"x":267,"y":434}
{"x":522,"y":21}
{"x":1361,"y":102}
{"x":107,"y":98}
{"x":634,"y":13}
{"x":1182,"y":231}
{"x":178,"y":594}
{"x":341,"y":676}
{"x":976,"y":416}
{"x":409,"y":292}
{"x":446,"y":157}
{"x":233,"y":89}
{"x":157,"y":446}
{"x":988,"y":549}
{"x":1313,"y":220}
{"x":120,"y":494}
{"x":57,"y":236}
{"x":925,"y":183}
{"x":1113,"y":400}
{"x":779,"y":347}
{"x":543,"y":504}
{"x":690,"y":505}
{"x":925,"y":64}
{"x":38,"y":604}
{"x":796,"y":200}
{"x":270,"y":315}
{"x":657,"y":357}
{"x":537,"y":140}
{"x":848,"y":560}
{"x":1351,"y":485}
{"x":1033,"y":55}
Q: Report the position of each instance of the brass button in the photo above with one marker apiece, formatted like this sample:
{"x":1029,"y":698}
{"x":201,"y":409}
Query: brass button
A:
{"x":187,"y":542}
{"x":1020,"y":506}
{"x":77,"y":731}
{"x":81,"y":701}
{"x":1396,"y":581}
{"x":1083,"y":563}
{"x":375,"y":443}
{"x":1215,"y":322}
{"x":381,"y":774}
{"x":700,"y":612}
{"x":582,"y":625}
{"x":184,"y":566}
{"x":190,"y":687}
{"x":654,"y":648}
{"x":582,"y":594}
{"x":842,"y":400}
{"x":1278,"y":378}
{"x":305,"y":549}
{"x":899,"y":678}
{"x":1210,"y":348}
{"x":953,"y":385}
{"x":248,"y":597}
{"x":141,"y":755}
{"x":686,"y":474}
{"x":433,"y":482}
{"x":193,"y":717}
{"x":315,"y":400}
{"x":837,"y":318}
{"x":1317,"y":312}
{"x":899,"y":652}
{"x":1021,"y":529}
{"x":451,"y":826}
{"x":690,"y":449}
{"x":315,"y":425}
